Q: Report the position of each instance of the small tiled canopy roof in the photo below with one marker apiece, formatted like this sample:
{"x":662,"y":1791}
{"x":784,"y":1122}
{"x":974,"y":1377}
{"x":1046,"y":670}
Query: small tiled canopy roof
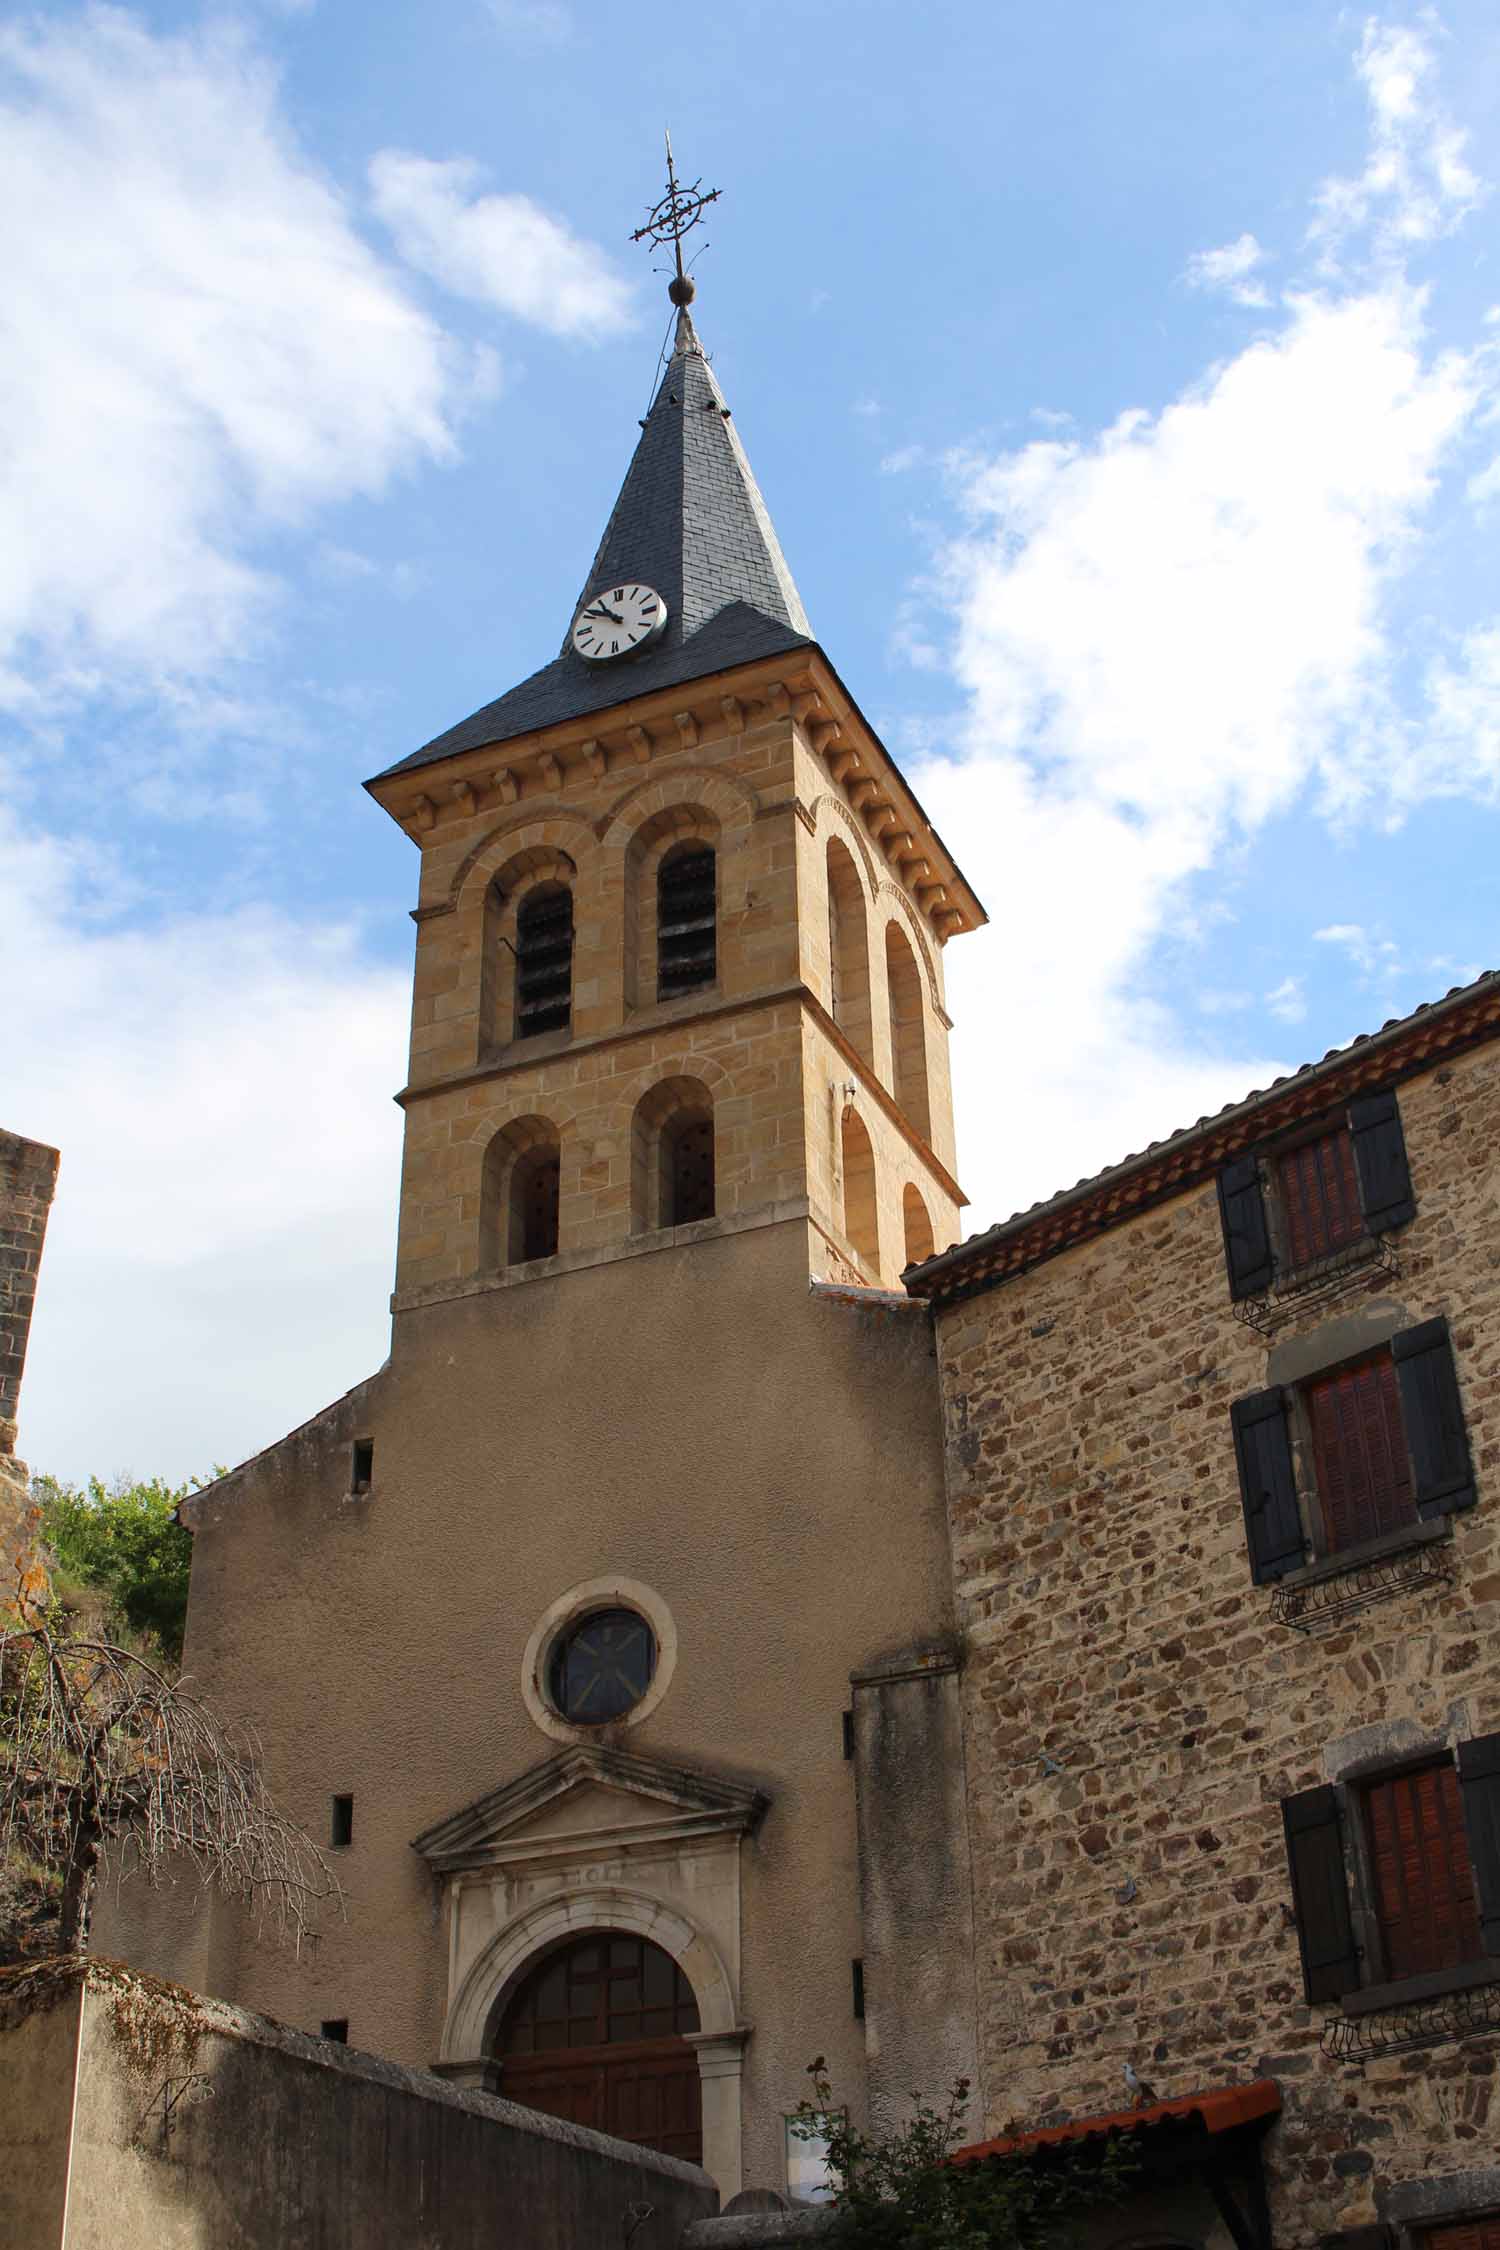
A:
{"x":1219,"y":2110}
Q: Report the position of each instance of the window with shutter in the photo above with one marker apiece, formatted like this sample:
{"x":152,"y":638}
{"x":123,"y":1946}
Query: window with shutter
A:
{"x":1462,"y":2234}
{"x":1479,"y":1782}
{"x":1425,"y":1905}
{"x":1291,"y":1207}
{"x":686,"y":937}
{"x":1360,"y":1463}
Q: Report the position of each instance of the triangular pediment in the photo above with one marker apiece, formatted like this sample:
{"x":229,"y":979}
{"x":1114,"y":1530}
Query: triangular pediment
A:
{"x":590,"y":1798}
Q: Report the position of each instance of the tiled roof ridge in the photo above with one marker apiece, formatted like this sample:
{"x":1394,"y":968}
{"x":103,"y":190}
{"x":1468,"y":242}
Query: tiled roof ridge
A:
{"x":1192,"y":1152}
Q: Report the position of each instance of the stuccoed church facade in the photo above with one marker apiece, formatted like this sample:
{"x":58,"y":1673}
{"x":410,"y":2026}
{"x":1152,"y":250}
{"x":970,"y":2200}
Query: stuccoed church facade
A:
{"x":737,"y":1624}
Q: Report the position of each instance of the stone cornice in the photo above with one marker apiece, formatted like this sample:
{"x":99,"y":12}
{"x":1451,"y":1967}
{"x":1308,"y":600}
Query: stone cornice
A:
{"x":800,"y":688}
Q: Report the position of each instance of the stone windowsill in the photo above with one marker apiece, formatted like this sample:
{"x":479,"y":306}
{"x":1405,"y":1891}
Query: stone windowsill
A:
{"x":1409,"y":1991}
{"x":1410,"y":1537}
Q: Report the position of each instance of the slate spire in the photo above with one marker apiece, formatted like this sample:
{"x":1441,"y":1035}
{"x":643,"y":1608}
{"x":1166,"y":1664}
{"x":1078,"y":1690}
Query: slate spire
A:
{"x":689,"y":521}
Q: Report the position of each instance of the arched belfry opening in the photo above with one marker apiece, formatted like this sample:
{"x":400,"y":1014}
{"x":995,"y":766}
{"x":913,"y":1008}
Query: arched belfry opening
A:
{"x":849,"y":951}
{"x":598,"y":2032}
{"x":908,"y":1030}
{"x":917,"y":1224}
{"x":520,"y":1194}
{"x":861,"y":1215}
{"x":672,"y":1156}
{"x":544,"y":960}
{"x":686,"y":919}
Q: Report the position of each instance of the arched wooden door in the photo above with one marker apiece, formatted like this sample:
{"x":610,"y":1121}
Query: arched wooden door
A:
{"x":595,"y":2034}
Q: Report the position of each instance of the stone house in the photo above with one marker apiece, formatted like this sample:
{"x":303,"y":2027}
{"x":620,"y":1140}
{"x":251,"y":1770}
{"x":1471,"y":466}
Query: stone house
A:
{"x":1223,"y":1468}
{"x":739,"y":1624}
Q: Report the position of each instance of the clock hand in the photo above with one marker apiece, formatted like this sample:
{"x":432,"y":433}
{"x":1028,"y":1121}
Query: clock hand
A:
{"x":599,"y":610}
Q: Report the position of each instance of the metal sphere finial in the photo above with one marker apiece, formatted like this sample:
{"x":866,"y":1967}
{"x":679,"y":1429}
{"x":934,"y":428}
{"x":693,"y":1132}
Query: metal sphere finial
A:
{"x":679,"y":210}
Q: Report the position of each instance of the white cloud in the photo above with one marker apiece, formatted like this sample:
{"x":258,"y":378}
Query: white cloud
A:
{"x":1170,"y":632}
{"x":219,"y":1086}
{"x":195,"y":346}
{"x":501,"y":250}
{"x":1231,"y":268}
{"x":1416,"y":184}
{"x":1371,"y":955}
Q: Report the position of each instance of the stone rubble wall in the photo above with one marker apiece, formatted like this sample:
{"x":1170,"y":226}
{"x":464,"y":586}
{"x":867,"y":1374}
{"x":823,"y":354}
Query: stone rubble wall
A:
{"x":1134,"y":1716}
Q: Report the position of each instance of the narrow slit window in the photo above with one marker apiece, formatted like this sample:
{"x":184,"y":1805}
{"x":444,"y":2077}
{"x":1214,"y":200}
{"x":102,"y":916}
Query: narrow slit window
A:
{"x":544,"y":960}
{"x":857,"y":1981}
{"x":363,"y":1467}
{"x":686,"y":920}
{"x":341,"y":1823}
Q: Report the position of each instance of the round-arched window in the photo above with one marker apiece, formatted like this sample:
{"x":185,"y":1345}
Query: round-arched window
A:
{"x":601,"y":1666}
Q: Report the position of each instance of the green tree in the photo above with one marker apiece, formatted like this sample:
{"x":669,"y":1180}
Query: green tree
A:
{"x":122,"y":1541}
{"x":898,"y":2191}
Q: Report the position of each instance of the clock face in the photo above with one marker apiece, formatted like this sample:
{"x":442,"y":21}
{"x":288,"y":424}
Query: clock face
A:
{"x":618,"y":621}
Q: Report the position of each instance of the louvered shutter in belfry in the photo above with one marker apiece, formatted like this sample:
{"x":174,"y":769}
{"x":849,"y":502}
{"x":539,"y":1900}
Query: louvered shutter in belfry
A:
{"x":1320,"y":1893}
{"x":1273,"y":1520}
{"x":1479,"y":1779}
{"x":1380,"y":1159}
{"x":1434,"y":1417}
{"x":1247,"y":1239}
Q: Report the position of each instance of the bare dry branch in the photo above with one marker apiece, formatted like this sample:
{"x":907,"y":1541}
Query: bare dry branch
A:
{"x":105,"y":1762}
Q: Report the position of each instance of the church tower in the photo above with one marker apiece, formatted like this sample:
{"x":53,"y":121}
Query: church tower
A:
{"x":607,"y":1629}
{"x":681,"y":921}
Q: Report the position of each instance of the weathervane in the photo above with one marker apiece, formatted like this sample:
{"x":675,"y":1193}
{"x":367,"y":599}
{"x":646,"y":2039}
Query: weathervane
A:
{"x":679,"y":210}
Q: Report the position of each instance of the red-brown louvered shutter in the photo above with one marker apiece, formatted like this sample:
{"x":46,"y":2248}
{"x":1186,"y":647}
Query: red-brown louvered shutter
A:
{"x":1359,"y":1454}
{"x":1425,"y":1904}
{"x":1466,"y":2234}
{"x":1320,"y":1201}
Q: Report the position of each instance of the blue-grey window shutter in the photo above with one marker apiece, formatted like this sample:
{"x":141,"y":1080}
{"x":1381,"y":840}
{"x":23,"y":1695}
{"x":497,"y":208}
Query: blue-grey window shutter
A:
{"x":1479,"y":1779}
{"x":1443,"y":1473}
{"x":1247,"y":1238}
{"x":1320,"y":1893}
{"x":1273,"y":1520}
{"x":1380,"y":1159}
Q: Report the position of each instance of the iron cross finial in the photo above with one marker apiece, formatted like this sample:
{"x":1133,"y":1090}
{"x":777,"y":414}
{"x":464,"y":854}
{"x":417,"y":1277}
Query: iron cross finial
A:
{"x":679,"y":210}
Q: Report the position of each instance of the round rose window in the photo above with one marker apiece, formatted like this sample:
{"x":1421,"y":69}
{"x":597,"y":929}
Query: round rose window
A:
{"x":601,"y":1666}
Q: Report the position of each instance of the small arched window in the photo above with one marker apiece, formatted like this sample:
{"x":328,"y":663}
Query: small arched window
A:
{"x":861,"y":1221}
{"x":519,"y":1198}
{"x":908,"y":1030}
{"x":686,"y":919}
{"x":673,"y":1155}
{"x":848,"y":951}
{"x":544,"y":960}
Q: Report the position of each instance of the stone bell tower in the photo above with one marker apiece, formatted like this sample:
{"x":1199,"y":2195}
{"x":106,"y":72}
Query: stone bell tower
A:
{"x":681,"y":921}
{"x":586,"y":1692}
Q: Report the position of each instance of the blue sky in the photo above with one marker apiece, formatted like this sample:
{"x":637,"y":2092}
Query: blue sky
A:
{"x":1123,"y":382}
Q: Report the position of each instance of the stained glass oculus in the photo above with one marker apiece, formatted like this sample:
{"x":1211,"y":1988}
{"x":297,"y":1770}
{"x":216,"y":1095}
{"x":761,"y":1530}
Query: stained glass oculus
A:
{"x":601,"y":1666}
